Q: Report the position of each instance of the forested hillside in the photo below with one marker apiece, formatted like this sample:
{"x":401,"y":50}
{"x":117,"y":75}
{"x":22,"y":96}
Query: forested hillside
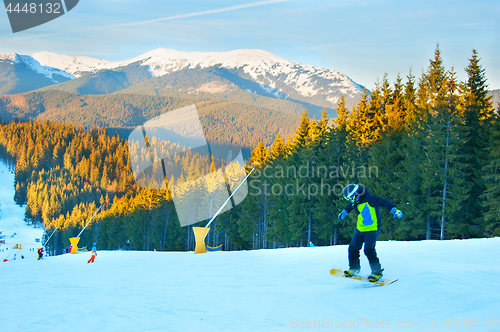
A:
{"x":18,"y":78}
{"x":215,"y":82}
{"x":227,"y":122}
{"x":429,"y":144}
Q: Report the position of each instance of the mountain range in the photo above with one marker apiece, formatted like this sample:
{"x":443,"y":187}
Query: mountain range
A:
{"x":235,"y":75}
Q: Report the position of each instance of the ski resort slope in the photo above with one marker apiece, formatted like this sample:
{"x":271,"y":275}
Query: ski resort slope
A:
{"x":265,"y":290}
{"x":14,"y":229}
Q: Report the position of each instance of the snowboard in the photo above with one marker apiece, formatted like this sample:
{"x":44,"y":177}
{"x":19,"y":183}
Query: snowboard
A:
{"x":381,"y":282}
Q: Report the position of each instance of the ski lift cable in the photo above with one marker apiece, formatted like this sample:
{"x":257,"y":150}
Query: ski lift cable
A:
{"x":89,"y":221}
{"x":227,"y":200}
{"x":43,"y":245}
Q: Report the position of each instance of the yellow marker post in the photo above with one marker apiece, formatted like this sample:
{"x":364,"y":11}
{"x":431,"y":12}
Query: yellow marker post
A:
{"x":201,"y":232}
{"x":74,"y":244}
{"x":74,"y":240}
{"x":199,"y":235}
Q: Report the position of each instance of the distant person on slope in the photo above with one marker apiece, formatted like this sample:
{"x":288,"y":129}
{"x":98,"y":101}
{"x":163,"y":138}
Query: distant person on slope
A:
{"x":40,"y":253}
{"x":128,"y":245}
{"x":94,"y":253}
{"x":368,"y":227}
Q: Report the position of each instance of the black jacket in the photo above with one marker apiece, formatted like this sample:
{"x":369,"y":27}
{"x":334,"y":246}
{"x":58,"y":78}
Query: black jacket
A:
{"x":372,"y":200}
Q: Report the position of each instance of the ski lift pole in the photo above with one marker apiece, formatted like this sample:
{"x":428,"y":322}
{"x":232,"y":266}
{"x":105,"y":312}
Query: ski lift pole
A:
{"x":227,"y":200}
{"x":89,"y":221}
{"x":43,"y":245}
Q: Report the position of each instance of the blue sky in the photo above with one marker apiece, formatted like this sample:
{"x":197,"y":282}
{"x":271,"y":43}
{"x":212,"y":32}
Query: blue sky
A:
{"x":363,"y":39}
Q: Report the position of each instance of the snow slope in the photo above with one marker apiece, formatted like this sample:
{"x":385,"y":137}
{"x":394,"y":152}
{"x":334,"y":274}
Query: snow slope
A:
{"x":12,"y":225}
{"x":265,"y":290}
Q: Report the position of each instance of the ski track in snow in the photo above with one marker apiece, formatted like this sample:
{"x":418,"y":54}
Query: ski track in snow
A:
{"x":263,"y":290}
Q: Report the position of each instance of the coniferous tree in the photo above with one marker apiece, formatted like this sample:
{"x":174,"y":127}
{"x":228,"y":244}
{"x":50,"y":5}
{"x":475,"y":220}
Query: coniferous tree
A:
{"x":410,"y":102}
{"x":340,"y":149}
{"x":475,"y":108}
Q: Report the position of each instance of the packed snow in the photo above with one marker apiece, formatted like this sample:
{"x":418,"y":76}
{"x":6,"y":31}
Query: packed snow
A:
{"x":439,"y":283}
{"x":13,"y":228}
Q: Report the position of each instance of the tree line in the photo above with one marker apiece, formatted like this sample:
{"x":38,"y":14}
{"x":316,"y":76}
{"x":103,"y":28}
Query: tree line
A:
{"x":228,"y":122}
{"x":429,"y":145}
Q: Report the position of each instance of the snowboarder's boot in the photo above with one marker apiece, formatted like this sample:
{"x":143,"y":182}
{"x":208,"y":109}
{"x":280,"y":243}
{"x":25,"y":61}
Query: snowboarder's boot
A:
{"x":351,"y":272}
{"x":375,"y":276}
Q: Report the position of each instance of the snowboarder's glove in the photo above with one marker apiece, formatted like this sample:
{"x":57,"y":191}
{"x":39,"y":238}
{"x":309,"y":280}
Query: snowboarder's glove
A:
{"x":343,"y":214}
{"x":397,"y":213}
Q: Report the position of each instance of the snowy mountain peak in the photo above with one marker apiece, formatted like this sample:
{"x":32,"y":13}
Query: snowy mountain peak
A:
{"x":260,"y":66}
{"x":8,"y":56}
{"x":71,"y":64}
{"x":34,"y":65}
{"x":236,"y":58}
{"x":275,"y":76}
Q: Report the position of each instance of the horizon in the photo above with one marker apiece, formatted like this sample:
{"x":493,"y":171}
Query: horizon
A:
{"x":362,"y":40}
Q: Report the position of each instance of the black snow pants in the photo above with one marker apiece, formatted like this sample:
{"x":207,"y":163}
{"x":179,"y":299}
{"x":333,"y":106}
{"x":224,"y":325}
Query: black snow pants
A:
{"x":369,"y":239}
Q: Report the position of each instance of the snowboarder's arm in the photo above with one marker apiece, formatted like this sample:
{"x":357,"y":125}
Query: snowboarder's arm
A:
{"x":349,"y":208}
{"x":345,"y":212}
{"x":379,"y":201}
{"x":376,"y":201}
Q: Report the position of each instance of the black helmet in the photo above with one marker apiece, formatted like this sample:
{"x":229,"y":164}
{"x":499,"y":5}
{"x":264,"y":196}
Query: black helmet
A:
{"x":351,"y":192}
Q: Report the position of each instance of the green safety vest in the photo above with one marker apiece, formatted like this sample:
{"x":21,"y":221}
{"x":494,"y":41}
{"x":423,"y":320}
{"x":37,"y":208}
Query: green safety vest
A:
{"x":367,"y":218}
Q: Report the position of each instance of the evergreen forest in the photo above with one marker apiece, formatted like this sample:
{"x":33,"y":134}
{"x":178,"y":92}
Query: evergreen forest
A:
{"x":430,"y":144}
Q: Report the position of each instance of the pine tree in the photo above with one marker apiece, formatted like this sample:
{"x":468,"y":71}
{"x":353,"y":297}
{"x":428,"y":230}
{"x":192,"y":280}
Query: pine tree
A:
{"x":395,"y":113}
{"x":300,"y":137}
{"x":260,"y":154}
{"x":363,"y":123}
{"x":410,"y":102}
{"x":432,"y":96}
{"x":382,"y":177}
{"x":279,"y":147}
{"x":476,"y":109}
{"x":337,"y":153}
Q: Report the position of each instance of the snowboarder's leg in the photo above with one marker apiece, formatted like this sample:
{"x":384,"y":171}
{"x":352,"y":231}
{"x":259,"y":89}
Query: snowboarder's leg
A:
{"x":371,"y":253}
{"x":354,"y":247}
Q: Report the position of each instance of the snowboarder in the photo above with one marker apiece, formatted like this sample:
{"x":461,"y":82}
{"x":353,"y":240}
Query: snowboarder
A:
{"x":40,"y":253}
{"x":368,"y":227}
{"x":94,"y":253}
{"x":128,"y":245}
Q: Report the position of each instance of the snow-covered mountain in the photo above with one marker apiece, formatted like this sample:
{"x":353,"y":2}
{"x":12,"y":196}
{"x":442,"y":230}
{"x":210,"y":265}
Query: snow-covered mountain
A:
{"x":34,"y":65}
{"x":170,"y":72}
{"x":22,"y":73}
{"x":276,"y":76}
